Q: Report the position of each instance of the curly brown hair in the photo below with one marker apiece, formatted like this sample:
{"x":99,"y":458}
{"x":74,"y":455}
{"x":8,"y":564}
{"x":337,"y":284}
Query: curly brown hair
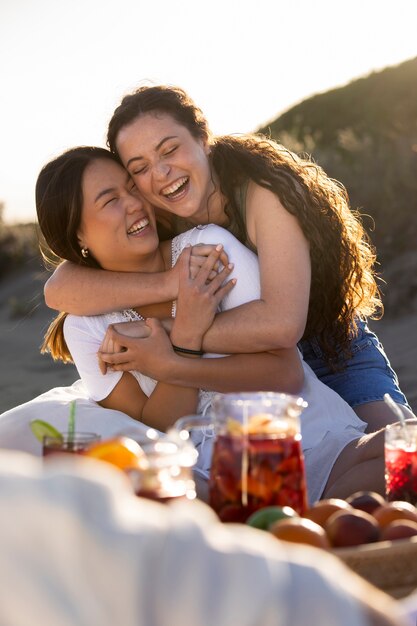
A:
{"x":343,"y":282}
{"x":343,"y":285}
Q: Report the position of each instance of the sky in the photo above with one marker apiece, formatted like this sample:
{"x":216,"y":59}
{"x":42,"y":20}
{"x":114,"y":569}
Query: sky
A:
{"x":65,"y":65}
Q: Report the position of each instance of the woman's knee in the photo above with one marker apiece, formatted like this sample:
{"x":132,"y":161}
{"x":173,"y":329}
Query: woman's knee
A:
{"x":362,"y":450}
{"x":366,"y":476}
{"x":378,"y":414}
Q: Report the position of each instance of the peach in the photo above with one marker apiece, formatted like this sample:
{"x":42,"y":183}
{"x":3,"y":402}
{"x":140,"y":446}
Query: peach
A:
{"x":300,"y":530}
{"x":399,"y":529}
{"x":395,"y":510}
{"x":366,"y":501}
{"x":320,"y":511}
{"x":351,"y":528}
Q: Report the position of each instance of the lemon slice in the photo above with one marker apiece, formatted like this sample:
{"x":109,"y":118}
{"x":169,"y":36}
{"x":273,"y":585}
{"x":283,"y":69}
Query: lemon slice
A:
{"x":42,"y":429}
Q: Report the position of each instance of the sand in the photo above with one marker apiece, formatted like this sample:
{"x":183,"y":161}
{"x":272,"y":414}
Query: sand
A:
{"x":25,"y":373}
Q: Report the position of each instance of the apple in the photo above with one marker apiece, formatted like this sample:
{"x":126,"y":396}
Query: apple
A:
{"x":265,"y":517}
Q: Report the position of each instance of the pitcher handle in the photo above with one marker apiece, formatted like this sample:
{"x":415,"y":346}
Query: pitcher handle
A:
{"x":190,"y":422}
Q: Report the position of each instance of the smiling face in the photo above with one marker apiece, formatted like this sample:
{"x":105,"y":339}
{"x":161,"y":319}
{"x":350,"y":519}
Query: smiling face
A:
{"x":168,"y":164}
{"x":117,"y":226}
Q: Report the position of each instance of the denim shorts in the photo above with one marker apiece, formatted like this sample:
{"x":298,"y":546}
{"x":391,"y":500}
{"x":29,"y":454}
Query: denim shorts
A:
{"x":366,"y":376}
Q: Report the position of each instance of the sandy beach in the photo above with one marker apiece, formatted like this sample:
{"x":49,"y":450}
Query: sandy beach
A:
{"x":25,"y":373}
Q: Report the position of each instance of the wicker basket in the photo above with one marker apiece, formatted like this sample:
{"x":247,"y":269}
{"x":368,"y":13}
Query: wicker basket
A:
{"x":389,"y":565}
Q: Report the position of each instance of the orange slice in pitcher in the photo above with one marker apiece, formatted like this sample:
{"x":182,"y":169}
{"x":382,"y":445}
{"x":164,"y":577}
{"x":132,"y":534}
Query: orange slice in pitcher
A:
{"x":233,"y":426}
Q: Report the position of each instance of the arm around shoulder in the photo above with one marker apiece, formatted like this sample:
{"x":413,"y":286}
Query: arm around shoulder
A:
{"x":84,"y":290}
{"x":269,"y":305}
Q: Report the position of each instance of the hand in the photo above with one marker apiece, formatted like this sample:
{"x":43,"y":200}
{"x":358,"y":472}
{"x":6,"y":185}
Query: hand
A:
{"x":113,"y":344}
{"x":150,"y":354}
{"x":167,"y":323}
{"x":199,"y":298}
{"x":199,"y":254}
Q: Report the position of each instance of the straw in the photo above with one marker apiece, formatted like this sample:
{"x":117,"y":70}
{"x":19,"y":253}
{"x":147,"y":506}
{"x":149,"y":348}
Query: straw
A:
{"x":71,"y":421}
{"x":398,"y":413}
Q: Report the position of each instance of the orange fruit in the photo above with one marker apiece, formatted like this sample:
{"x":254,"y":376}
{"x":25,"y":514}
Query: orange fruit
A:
{"x":320,"y":511}
{"x":122,"y":452}
{"x":387,"y":513}
{"x":300,"y":530}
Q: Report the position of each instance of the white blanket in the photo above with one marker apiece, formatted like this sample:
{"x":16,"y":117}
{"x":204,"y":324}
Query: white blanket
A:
{"x":78,"y":549}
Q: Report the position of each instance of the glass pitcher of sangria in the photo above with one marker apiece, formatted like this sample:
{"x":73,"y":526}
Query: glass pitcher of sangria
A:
{"x":257,"y":458}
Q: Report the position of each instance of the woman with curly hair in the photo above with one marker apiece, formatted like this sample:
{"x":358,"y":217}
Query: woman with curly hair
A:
{"x":316,"y":263}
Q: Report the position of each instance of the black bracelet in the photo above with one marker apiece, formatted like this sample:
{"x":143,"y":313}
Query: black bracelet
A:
{"x":187,"y":351}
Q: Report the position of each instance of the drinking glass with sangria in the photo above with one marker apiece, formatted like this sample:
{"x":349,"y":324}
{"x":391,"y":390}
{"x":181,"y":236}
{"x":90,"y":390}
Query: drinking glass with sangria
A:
{"x":401,"y":462}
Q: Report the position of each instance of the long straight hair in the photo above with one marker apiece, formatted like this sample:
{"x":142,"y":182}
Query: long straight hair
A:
{"x":59,"y":204}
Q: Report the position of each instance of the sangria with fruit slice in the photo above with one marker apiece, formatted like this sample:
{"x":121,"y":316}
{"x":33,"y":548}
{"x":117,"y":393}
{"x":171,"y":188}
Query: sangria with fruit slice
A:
{"x":251,"y":470}
{"x":55,"y":442}
{"x":257,"y":458}
{"x":64,"y":443}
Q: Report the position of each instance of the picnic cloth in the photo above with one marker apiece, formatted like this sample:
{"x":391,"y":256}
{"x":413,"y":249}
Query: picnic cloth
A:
{"x":79,"y":549}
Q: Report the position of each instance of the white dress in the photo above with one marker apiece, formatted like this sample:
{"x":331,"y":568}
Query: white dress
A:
{"x":328,"y":424}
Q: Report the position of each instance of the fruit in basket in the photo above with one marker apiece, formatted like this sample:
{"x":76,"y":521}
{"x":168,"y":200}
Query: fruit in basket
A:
{"x":300,"y":530}
{"x":320,"y":511}
{"x":351,"y":528}
{"x":342,"y":524}
{"x":391,"y":511}
{"x":265,"y":517}
{"x":366,"y":501}
{"x":399,"y":529}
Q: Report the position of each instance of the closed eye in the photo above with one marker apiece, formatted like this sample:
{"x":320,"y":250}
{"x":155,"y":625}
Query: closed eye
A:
{"x":140,"y":171}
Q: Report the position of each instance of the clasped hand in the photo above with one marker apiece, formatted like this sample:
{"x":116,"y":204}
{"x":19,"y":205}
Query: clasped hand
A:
{"x":145,"y":346}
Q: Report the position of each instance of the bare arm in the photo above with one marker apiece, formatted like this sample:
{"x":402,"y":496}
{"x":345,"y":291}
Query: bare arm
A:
{"x":87,"y":291}
{"x":241,"y":372}
{"x":83,"y":290}
{"x":277,"y":319}
{"x":160,"y":410}
{"x":153,"y":355}
{"x":123,"y":392}
{"x":169,"y":401}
